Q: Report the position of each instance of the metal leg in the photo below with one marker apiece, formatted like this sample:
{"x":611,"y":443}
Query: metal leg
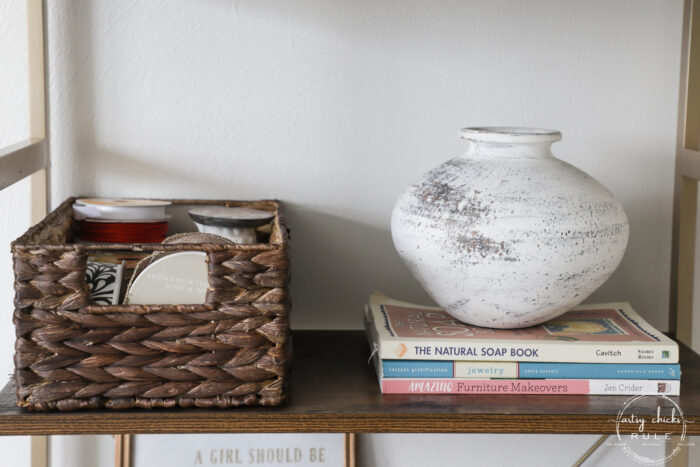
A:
{"x":350,"y":449}
{"x":122,"y":450}
{"x":37,"y":129}
{"x":590,"y":451}
{"x":39,"y":451}
{"x":682,"y":459}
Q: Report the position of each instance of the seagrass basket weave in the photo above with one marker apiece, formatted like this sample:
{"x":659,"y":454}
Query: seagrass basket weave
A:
{"x":70,"y":354}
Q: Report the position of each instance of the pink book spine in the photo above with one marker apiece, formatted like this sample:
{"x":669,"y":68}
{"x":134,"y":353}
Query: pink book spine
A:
{"x":524,"y":386}
{"x":437,"y":386}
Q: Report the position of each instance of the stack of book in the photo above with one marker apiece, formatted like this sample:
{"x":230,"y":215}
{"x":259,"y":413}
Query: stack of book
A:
{"x":592,"y":349}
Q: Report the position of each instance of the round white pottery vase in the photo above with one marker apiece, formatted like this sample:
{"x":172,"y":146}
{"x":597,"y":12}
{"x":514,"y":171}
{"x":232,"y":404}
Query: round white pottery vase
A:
{"x":506,"y":235}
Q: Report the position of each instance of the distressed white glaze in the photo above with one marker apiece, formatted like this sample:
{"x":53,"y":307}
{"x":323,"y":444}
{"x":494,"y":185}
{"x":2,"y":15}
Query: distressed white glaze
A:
{"x":506,"y":235}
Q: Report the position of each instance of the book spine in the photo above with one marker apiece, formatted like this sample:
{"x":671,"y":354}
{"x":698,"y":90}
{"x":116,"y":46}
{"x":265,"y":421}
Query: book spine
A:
{"x":524,"y":386}
{"x":448,"y":369}
{"x":598,"y":371}
{"x":546,"y":351}
{"x":417,"y":369}
{"x":514,"y":370}
{"x":484,"y":370}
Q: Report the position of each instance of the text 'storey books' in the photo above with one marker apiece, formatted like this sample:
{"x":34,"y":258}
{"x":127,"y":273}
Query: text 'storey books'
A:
{"x":604,"y":333}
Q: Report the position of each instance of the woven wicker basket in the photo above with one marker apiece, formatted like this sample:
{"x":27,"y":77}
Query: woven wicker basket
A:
{"x":71,"y":354}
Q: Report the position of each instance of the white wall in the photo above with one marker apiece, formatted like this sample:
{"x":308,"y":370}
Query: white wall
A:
{"x":335,"y":106}
{"x":81,"y":451}
{"x":394,"y":450}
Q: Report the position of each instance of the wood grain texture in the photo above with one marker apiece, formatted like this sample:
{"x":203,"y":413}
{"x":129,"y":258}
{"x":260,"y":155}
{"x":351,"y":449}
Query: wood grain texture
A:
{"x":334,"y":390}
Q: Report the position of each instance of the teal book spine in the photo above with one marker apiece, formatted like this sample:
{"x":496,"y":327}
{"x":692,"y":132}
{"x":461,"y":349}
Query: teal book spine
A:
{"x":528,"y":370}
{"x":599,"y":371}
{"x":417,"y":369}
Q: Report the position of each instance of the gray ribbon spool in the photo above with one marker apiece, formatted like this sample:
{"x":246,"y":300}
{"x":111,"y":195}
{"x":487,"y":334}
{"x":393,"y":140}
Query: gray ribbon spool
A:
{"x":236,"y":224}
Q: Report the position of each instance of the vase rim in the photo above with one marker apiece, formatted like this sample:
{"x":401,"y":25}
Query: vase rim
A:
{"x":510,"y":134}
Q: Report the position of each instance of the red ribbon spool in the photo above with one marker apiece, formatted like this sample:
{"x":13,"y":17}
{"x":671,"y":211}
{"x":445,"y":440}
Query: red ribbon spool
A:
{"x":123,"y":232}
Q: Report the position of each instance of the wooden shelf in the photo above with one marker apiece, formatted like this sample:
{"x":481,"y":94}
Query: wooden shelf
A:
{"x":334,"y":389}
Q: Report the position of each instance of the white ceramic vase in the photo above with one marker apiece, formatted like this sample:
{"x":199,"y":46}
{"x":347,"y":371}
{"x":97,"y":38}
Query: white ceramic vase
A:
{"x":506,"y":235}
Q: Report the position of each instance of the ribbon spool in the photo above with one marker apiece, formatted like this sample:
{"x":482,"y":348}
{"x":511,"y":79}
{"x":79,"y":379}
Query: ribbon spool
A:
{"x":123,"y":232}
{"x":141,"y":287}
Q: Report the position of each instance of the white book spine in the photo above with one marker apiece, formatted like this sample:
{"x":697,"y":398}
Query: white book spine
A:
{"x":568,"y":352}
{"x":634,"y":387}
{"x":486,"y":370}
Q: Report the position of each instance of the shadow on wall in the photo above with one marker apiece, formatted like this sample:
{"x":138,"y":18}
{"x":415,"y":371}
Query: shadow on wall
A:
{"x":134,"y":174}
{"x":634,"y":279}
{"x":336,"y":263}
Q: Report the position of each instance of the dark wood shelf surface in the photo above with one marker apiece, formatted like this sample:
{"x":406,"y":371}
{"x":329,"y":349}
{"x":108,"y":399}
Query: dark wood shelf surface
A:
{"x":334,"y":389}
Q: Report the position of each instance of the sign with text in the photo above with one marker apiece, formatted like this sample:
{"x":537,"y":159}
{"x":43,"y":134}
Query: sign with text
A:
{"x":258,"y":450}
